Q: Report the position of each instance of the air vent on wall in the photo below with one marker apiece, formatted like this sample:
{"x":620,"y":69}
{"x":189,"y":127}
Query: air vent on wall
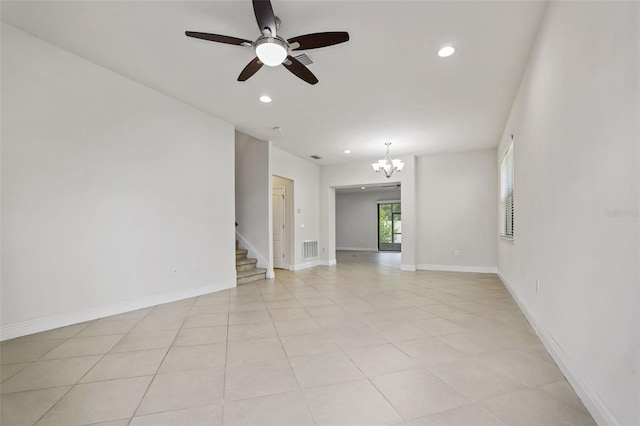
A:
{"x":304,"y":59}
{"x":309,"y":249}
{"x":316,"y":157}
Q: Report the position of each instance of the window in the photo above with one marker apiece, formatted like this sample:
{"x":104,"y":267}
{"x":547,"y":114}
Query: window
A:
{"x":506,"y":194}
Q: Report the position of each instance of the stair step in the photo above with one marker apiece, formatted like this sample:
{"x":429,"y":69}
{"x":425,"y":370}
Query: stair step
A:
{"x":250,"y":272}
{"x":246,"y":270}
{"x":245,"y":264}
{"x":250,"y":275}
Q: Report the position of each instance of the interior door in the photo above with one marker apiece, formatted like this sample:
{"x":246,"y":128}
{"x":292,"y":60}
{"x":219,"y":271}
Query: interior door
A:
{"x":278,"y":198}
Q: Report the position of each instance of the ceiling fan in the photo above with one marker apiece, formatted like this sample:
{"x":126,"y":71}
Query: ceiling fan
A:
{"x":273,"y":50}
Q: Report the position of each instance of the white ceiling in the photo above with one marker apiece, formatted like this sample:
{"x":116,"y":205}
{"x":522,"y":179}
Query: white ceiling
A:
{"x":386,"y":83}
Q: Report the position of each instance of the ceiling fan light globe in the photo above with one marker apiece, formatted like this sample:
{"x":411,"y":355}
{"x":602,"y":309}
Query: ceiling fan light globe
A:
{"x":271,"y":51}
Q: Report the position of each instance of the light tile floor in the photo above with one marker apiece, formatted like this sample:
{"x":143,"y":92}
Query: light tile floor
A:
{"x":357,"y":343}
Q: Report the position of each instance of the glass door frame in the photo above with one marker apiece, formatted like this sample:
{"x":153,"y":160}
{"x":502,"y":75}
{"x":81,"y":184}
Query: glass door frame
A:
{"x":392,"y":246}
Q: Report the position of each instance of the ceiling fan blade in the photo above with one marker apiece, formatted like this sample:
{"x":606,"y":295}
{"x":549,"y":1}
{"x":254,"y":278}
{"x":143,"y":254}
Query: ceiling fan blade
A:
{"x":219,"y":38}
{"x":297,"y":68}
{"x":251,"y":68}
{"x":316,"y":40}
{"x":265,"y":16}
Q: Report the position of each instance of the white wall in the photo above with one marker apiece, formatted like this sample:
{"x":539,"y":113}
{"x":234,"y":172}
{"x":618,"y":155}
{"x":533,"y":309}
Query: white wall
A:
{"x":305,"y":176}
{"x":106,"y":187}
{"x":457,"y":210}
{"x":253,"y":198}
{"x":343,"y":175}
{"x":357,"y":219}
{"x":575,"y":126}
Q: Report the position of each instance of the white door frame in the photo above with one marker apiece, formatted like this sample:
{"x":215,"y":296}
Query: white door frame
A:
{"x":280,"y":260}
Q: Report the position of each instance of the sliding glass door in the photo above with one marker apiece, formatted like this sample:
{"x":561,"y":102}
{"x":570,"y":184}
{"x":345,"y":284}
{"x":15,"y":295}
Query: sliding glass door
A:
{"x":389,"y":227}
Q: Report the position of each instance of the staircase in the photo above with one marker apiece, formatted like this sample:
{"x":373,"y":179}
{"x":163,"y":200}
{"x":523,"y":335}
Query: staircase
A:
{"x":246,"y":270}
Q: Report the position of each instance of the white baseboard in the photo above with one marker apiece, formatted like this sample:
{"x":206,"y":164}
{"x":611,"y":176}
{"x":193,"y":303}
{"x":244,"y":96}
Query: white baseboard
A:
{"x":458,"y":268}
{"x":311,"y":264}
{"x":409,"y":268}
{"x":306,"y":265}
{"x":357,"y":249}
{"x":68,"y":318}
{"x":254,"y":254}
{"x":270,"y":274}
{"x":592,"y":402}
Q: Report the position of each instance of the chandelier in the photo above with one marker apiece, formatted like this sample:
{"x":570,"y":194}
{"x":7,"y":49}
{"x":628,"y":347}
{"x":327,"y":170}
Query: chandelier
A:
{"x":387,"y":165}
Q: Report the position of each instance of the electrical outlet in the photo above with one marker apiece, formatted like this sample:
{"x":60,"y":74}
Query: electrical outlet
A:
{"x":537,"y":286}
{"x":174,"y":269}
{"x":456,"y":252}
{"x":194,"y":267}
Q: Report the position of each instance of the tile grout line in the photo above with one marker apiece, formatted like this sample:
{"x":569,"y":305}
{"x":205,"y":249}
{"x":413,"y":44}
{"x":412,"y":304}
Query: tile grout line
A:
{"x":226,"y":356}
{"x":86,"y":372}
{"x":144,"y":394}
{"x":300,"y":389}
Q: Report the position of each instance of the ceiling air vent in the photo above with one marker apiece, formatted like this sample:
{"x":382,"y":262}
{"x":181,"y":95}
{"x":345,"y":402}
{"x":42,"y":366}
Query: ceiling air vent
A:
{"x":304,"y":59}
{"x":316,"y":157}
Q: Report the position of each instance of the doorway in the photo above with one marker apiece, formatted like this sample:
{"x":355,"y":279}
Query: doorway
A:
{"x":278,"y":199}
{"x":282,"y":218}
{"x":389,"y":226}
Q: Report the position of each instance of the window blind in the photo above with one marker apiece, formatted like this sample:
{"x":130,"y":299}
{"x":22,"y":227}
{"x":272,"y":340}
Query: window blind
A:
{"x":506,"y":193}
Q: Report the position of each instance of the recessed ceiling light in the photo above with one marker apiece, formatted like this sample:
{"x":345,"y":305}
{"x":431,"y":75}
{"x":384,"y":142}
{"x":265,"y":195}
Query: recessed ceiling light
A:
{"x":264,"y":98}
{"x":347,"y":151}
{"x":277,"y":128}
{"x":363,"y":187}
{"x":446,"y":51}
